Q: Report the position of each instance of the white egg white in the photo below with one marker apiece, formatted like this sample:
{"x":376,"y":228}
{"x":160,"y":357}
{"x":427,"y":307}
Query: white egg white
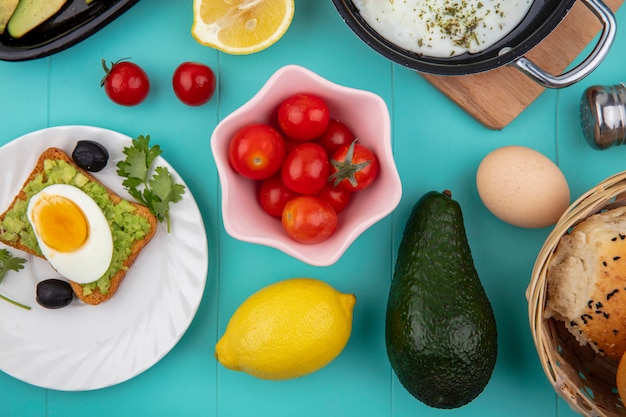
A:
{"x":89,"y":262}
{"x":443,"y":28}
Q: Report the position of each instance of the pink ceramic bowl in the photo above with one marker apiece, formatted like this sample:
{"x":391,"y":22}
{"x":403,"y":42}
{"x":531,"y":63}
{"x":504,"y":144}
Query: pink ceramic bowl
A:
{"x":367,"y":116}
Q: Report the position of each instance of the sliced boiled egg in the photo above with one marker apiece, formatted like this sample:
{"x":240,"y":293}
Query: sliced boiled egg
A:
{"x":72,"y":232}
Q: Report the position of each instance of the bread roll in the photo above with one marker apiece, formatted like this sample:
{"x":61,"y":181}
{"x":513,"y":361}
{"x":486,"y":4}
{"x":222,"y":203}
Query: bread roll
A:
{"x":587,"y":282}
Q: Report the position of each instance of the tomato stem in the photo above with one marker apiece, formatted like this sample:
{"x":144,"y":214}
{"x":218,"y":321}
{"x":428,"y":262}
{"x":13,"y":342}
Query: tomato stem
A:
{"x":346,"y":169}
{"x":107,"y":70}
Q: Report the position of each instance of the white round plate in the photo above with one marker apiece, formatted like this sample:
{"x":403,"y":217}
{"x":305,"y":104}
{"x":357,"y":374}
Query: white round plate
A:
{"x":84,"y":347}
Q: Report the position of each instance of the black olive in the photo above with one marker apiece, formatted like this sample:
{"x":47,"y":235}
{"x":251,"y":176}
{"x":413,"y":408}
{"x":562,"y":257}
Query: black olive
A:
{"x":90,"y":155}
{"x":54,"y":293}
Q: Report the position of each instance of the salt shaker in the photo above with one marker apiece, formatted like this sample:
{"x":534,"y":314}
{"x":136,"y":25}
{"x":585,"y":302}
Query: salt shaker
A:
{"x":603,"y":115}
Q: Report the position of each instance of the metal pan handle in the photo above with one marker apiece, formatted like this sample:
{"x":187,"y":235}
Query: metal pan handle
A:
{"x":606,"y":16}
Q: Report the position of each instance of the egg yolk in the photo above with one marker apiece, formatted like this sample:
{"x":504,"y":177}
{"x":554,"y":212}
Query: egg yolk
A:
{"x":60,"y":223}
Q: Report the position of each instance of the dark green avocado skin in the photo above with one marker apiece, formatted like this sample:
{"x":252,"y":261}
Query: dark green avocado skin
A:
{"x":440,"y":328}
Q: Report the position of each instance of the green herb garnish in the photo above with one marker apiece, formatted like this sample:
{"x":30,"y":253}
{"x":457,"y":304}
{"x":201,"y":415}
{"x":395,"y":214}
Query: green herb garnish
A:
{"x":156,"y":192}
{"x":10,"y":263}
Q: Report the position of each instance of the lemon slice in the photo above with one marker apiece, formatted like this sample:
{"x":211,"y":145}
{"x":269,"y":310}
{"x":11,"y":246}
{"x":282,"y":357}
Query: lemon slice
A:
{"x":241,"y":27}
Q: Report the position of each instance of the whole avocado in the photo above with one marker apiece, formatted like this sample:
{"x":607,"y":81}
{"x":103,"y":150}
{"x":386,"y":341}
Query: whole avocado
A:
{"x":440,"y":328}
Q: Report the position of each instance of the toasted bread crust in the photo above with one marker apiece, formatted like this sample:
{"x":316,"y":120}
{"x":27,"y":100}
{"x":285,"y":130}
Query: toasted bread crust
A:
{"x":96,"y":297}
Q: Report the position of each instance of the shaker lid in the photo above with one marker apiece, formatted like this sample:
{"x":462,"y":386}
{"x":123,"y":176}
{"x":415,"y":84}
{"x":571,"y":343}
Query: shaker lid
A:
{"x":603,"y":115}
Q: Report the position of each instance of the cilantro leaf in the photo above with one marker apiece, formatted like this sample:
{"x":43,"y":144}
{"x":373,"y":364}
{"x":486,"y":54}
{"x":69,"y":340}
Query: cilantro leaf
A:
{"x":139,"y":158}
{"x":157,"y":192}
{"x":164,"y":191}
{"x":10,"y":263}
{"x":143,"y":143}
{"x":134,"y":167}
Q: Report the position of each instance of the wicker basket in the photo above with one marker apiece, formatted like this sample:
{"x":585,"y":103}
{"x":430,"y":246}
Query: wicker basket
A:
{"x":583,"y":378}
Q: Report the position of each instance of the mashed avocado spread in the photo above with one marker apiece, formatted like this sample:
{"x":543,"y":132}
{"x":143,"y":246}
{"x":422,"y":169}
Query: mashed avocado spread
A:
{"x":126,"y":227}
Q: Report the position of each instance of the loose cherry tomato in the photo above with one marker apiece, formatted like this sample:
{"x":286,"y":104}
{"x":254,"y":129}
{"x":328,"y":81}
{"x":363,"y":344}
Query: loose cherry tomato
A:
{"x":309,"y":219}
{"x":354,"y":167}
{"x":306,"y":169}
{"x":337,"y":197}
{"x":303,"y":117}
{"x":336,"y":135}
{"x":125,"y":83}
{"x":193,"y":83}
{"x":256,"y":151}
{"x":273,"y":195}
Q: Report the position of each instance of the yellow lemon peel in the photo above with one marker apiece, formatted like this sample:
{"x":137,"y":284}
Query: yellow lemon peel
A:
{"x":288,"y":329}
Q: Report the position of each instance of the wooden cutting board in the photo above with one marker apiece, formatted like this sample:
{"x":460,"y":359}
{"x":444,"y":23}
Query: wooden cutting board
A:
{"x":496,"y":97}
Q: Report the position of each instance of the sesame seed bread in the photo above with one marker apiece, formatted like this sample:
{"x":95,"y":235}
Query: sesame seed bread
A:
{"x":587,"y":282}
{"x":96,"y":296}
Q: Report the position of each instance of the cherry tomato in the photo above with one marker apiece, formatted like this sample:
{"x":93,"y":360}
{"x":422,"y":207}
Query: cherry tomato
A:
{"x":336,"y":135}
{"x":291,"y":145}
{"x":354,"y":167}
{"x":309,"y":219}
{"x":306,"y":169}
{"x":273,"y":195}
{"x":256,"y":151}
{"x":303,"y":117}
{"x":193,"y":83}
{"x":125,"y":83}
{"x":337,"y":197}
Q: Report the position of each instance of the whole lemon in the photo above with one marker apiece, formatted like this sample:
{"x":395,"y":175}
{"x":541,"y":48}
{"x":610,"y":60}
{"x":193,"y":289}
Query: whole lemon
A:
{"x":287,"y":329}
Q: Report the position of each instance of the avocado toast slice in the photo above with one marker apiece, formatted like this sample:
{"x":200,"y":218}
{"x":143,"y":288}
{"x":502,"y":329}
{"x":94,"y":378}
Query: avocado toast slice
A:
{"x":132,"y":224}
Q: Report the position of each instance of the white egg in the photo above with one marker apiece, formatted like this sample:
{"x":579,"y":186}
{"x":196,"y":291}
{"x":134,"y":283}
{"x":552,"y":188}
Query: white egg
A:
{"x":72,"y":232}
{"x":522,"y":187}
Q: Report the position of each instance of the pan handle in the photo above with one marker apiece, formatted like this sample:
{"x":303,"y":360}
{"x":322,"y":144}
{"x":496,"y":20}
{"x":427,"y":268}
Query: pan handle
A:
{"x":599,"y":52}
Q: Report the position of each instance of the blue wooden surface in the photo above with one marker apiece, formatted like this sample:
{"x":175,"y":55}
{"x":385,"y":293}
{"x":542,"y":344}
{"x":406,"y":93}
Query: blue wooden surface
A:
{"x":437,"y":146}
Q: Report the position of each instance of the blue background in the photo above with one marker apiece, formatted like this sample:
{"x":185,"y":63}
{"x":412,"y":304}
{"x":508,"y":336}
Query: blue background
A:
{"x":437,"y":146}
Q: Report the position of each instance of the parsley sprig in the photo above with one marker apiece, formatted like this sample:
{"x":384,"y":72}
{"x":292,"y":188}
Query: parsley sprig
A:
{"x":10,"y":263}
{"x":156,"y":192}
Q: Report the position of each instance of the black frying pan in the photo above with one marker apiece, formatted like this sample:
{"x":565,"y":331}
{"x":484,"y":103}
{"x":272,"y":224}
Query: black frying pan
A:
{"x":543,"y":17}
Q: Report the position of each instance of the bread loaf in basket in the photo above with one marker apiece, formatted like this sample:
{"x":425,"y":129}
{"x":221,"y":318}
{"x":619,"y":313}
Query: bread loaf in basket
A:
{"x":581,"y":373}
